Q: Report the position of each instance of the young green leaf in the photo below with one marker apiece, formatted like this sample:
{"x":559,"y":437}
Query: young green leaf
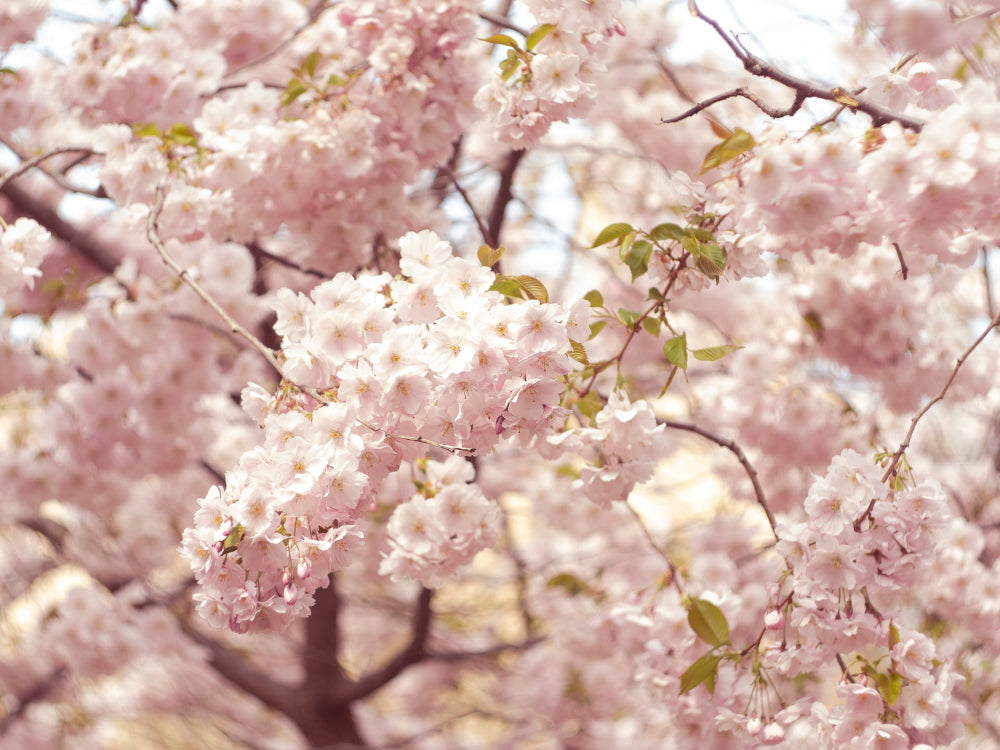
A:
{"x":596,"y":328}
{"x":628,"y":317}
{"x":568,"y":583}
{"x":638,"y":258}
{"x":489,"y":255}
{"x":703,"y":670}
{"x":595,"y":298}
{"x":590,"y":404}
{"x":309,"y":66}
{"x":675,"y":350}
{"x":508,"y":286}
{"x":711,"y":260}
{"x":728,"y":149}
{"x":538,"y":35}
{"x":534,"y":287}
{"x":502,"y":39}
{"x":577,"y":352}
{"x":651,"y":325}
{"x":708,"y":622}
{"x":667,"y":231}
{"x":611,"y":232}
{"x":713,"y":353}
{"x":293,"y":91}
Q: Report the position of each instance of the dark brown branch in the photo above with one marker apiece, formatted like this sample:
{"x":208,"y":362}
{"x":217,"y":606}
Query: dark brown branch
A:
{"x":735,"y":449}
{"x":503,"y":197}
{"x":741,"y":92}
{"x":803,"y":89}
{"x":28,"y":164}
{"x":483,"y":229}
{"x":414,"y":652}
{"x":259,"y":252}
{"x":902,"y":263}
{"x":496,"y":650}
{"x":236,"y":669}
{"x":81,"y":241}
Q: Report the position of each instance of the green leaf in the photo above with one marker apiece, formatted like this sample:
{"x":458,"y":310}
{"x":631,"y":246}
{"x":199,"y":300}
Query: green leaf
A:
{"x":893,"y":635}
{"x":673,"y":371}
{"x":309,"y":66}
{"x":711,"y":260}
{"x":539,"y":34}
{"x":625,"y":245}
{"x":146,"y":130}
{"x":507,"y":286}
{"x":596,"y":328}
{"x":703,"y":670}
{"x":638,"y":258}
{"x":568,"y":583}
{"x":182,"y":134}
{"x":488,"y":256}
{"x":708,"y":622}
{"x":702,"y":235}
{"x":667,"y":231}
{"x":590,"y":404}
{"x":656,"y":295}
{"x":889,"y":686}
{"x":293,"y":91}
{"x":231,"y":542}
{"x":535,"y":288}
{"x":611,"y":232}
{"x":676,"y":352}
{"x":713,"y":353}
{"x":728,"y":149}
{"x":628,"y":317}
{"x":577,"y":352}
{"x":652,"y":325}
{"x":335,"y":80}
{"x":595,"y":298}
{"x":502,"y":39}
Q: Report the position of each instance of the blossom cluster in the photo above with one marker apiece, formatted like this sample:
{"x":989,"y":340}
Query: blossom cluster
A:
{"x":442,"y":527}
{"x":23,"y":246}
{"x":556,"y":82}
{"x":931,"y":195}
{"x":621,"y":450}
{"x":853,"y":564}
{"x":393,"y":365}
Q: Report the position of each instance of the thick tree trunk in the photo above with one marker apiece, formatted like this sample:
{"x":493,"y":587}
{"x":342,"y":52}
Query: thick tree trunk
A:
{"x":324,"y":720}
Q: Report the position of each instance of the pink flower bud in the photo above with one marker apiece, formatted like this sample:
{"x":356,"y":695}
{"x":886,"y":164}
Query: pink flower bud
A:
{"x":774,"y":620}
{"x":226,"y":527}
{"x":291,"y":594}
{"x":286,"y":578}
{"x":304,"y":568}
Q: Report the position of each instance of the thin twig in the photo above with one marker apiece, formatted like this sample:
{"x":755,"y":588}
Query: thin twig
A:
{"x":674,"y":579}
{"x":803,"y":89}
{"x":153,"y":235}
{"x":735,"y":449}
{"x":902,"y":263}
{"x":483,"y":229}
{"x":29,"y":164}
{"x":894,"y":464}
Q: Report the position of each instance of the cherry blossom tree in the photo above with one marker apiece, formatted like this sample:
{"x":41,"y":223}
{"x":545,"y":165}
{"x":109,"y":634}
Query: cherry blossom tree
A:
{"x":450,"y":374}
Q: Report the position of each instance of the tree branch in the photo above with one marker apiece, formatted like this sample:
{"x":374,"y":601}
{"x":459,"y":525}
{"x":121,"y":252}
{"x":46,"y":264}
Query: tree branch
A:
{"x":153,"y":235}
{"x":894,"y":463}
{"x":414,"y":652}
{"x":79,"y":240}
{"x":503,"y":197}
{"x":735,"y":449}
{"x":244,"y":675}
{"x":803,"y":89}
